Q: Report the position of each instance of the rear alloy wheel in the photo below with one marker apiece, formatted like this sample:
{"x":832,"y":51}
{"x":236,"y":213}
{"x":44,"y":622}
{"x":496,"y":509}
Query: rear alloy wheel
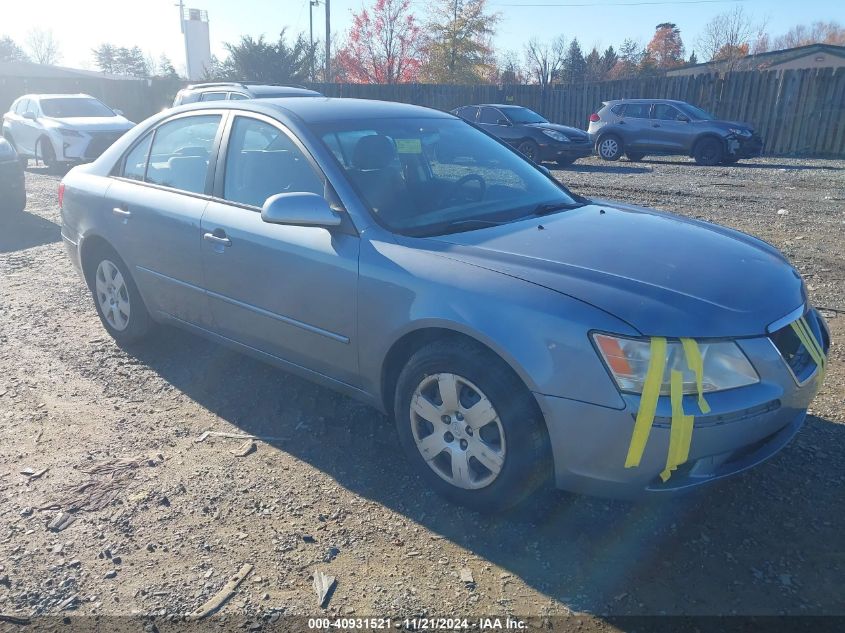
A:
{"x":470,"y":427}
{"x":119,"y":305}
{"x":530,"y":150}
{"x":708,"y":152}
{"x":634,"y":157}
{"x":610,"y":147}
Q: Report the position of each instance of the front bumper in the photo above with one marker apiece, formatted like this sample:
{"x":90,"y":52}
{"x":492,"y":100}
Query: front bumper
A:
{"x":745,"y":427}
{"x":565,"y":151}
{"x":745,"y":147}
{"x":86,"y":147}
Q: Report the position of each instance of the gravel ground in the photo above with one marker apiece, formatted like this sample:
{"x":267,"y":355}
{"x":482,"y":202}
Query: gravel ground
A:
{"x":162,"y":530}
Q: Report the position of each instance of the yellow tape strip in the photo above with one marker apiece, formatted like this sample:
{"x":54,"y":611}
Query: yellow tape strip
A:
{"x":809,"y":341}
{"x":802,"y":322}
{"x":648,"y":402}
{"x":680,"y":436}
{"x":696,"y":364}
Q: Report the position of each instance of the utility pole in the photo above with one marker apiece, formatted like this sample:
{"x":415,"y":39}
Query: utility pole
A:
{"x":328,"y":42}
{"x":311,"y":51}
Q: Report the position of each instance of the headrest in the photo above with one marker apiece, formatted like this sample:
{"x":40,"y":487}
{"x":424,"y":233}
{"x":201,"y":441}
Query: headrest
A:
{"x":373,"y":152}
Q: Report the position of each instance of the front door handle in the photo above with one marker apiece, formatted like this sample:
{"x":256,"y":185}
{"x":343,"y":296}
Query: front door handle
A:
{"x":121,"y":213}
{"x":222,"y":240}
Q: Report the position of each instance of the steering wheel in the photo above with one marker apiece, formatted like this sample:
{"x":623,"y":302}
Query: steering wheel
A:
{"x":459,"y":184}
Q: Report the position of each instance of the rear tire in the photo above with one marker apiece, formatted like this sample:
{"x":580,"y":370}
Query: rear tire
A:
{"x":634,"y":157}
{"x":609,"y":147}
{"x":708,"y":152}
{"x":116,"y":298}
{"x":513,"y":443}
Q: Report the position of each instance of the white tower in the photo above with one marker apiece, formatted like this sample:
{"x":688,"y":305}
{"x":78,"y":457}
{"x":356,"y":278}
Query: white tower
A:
{"x":197,"y":42}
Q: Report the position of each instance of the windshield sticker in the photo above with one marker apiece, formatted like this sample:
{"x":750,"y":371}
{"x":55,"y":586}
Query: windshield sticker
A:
{"x":408,"y":146}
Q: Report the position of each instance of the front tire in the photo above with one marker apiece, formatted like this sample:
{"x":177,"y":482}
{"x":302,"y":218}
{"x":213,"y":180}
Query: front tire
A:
{"x":470,"y":427}
{"x":530,"y":150}
{"x":48,"y":156}
{"x":708,"y":152}
{"x":119,"y":304}
{"x":634,"y":157}
{"x":609,"y":147}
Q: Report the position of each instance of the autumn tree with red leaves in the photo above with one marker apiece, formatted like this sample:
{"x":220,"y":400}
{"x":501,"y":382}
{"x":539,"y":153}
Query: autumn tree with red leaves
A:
{"x":383,"y":46}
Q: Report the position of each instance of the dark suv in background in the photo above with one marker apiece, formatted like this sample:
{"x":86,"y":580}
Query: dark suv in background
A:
{"x":529,"y":132}
{"x":231,"y":90}
{"x":637,"y":127}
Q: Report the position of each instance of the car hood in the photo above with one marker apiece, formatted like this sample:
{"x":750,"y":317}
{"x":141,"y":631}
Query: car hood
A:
{"x":662,"y":274}
{"x":572,"y":132}
{"x":94,"y":124}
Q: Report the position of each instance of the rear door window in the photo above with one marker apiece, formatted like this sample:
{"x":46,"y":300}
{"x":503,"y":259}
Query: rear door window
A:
{"x":135,"y":164}
{"x":213,"y":96}
{"x":237,"y":96}
{"x":637,"y":110}
{"x":180,"y":152}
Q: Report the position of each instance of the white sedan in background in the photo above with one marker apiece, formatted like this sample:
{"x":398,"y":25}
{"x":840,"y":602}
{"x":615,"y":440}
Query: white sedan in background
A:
{"x":62,"y":129}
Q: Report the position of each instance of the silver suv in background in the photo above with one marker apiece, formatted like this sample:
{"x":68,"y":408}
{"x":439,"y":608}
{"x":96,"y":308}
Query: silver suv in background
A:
{"x":62,"y":128}
{"x":637,"y":127}
{"x":233,"y":90}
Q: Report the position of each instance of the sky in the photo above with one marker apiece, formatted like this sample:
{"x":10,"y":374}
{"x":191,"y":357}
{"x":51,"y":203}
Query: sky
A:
{"x":153,"y":25}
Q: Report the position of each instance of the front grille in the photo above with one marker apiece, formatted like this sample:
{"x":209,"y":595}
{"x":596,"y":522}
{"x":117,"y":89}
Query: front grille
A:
{"x":797,"y":356}
{"x":100,"y":142}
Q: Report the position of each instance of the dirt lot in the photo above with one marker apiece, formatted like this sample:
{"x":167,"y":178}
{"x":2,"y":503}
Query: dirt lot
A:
{"x":332,"y":493}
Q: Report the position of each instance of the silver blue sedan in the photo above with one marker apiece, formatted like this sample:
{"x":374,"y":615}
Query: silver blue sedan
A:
{"x":517,"y":332}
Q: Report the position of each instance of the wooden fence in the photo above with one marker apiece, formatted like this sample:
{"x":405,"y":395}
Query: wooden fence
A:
{"x":798,"y":112}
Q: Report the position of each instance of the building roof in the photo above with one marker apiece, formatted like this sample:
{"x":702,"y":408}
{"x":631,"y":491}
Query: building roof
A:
{"x":761,"y":60}
{"x":30,"y":70}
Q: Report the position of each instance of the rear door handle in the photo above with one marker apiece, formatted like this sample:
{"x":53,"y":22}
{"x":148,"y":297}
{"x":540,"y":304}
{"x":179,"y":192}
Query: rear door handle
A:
{"x":217,"y":239}
{"x":121,"y":213}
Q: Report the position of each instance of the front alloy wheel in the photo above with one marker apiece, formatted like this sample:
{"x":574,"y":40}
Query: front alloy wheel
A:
{"x":457,"y":431}
{"x":470,"y":427}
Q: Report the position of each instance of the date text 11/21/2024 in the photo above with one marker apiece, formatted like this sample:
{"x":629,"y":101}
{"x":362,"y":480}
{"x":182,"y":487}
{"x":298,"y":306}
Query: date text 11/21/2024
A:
{"x":419,"y":624}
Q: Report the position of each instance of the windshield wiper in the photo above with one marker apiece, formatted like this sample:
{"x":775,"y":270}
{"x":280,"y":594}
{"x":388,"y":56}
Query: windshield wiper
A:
{"x":551,"y":207}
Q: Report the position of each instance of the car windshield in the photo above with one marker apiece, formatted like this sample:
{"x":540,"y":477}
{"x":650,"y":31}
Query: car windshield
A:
{"x":63,"y":108}
{"x":697,"y":113}
{"x":523,"y":115}
{"x":432,"y":176}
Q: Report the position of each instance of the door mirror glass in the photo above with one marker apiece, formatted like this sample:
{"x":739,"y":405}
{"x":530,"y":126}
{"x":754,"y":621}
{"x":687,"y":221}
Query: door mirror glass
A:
{"x":29,"y":115}
{"x":503,"y":122}
{"x":683,"y":118}
{"x":301,"y":209}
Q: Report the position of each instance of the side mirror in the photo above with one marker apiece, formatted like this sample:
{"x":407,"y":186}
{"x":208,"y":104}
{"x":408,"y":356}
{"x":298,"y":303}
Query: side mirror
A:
{"x":503,"y":122}
{"x":683,"y":118}
{"x":301,"y":209}
{"x":29,"y":115}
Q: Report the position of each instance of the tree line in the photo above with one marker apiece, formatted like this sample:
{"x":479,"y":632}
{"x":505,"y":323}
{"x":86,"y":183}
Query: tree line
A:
{"x":389,"y":42}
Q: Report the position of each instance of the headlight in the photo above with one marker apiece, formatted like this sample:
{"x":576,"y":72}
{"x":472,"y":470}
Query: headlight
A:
{"x":7,"y":152}
{"x":69,"y":133}
{"x":740,"y":132}
{"x":725,"y":366}
{"x":561,"y":138}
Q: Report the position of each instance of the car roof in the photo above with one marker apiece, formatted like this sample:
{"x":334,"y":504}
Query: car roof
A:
{"x":77,"y":95}
{"x":322,"y":109}
{"x":504,"y":106}
{"x":617,"y":101}
{"x":255,"y":89}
